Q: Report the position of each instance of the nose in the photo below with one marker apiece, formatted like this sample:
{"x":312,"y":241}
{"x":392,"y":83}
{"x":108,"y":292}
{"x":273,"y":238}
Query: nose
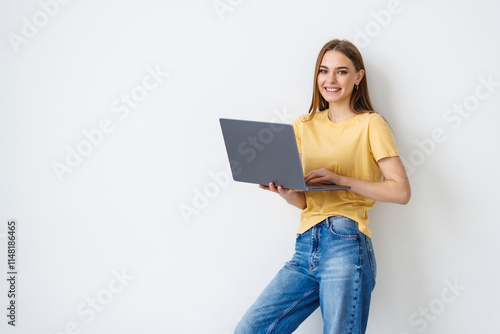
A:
{"x":331,"y":77}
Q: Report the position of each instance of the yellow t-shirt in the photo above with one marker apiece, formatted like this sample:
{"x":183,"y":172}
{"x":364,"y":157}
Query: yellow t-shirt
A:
{"x":350,"y":148}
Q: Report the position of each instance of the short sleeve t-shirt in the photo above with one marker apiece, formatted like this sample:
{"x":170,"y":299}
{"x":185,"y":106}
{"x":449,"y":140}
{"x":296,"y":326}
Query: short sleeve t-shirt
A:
{"x":349,"y":148}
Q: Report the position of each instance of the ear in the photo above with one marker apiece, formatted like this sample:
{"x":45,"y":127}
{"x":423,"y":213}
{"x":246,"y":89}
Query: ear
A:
{"x":359,"y":76}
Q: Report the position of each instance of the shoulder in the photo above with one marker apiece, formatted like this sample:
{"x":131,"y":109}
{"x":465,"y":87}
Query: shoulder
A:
{"x":298,"y":124}
{"x":375,"y":120}
{"x":302,"y":118}
{"x":300,"y":121}
{"x":307,"y":122}
{"x":378,"y":127}
{"x":370,"y":115}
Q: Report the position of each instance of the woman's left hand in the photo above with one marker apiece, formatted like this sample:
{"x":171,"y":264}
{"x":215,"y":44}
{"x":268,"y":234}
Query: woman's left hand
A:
{"x":323,"y":176}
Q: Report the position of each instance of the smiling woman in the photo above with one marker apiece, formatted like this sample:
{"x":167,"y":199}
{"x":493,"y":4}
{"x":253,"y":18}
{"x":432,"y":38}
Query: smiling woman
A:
{"x":341,"y":141}
{"x":336,"y":81}
{"x":350,"y":70}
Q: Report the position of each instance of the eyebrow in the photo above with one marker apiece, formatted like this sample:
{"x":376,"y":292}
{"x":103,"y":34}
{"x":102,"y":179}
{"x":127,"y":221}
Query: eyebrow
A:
{"x":336,"y":68}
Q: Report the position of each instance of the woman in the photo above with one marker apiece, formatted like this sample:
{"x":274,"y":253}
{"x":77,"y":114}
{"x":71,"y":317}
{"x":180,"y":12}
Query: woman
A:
{"x":341,"y":141}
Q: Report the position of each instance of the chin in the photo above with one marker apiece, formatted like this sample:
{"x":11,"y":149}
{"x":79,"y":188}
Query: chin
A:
{"x":336,"y":100}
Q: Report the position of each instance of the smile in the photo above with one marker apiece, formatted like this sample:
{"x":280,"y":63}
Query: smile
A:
{"x":332,"y":89}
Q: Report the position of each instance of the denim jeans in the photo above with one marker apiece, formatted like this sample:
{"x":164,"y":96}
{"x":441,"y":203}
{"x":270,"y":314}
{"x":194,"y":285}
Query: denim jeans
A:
{"x":333,"y":268}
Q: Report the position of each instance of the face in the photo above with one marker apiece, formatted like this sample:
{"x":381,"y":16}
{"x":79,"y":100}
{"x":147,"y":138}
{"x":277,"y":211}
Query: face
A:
{"x":337,"y":77}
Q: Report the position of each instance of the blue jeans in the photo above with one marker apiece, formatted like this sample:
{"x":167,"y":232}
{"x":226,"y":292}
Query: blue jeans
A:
{"x":334,"y":268}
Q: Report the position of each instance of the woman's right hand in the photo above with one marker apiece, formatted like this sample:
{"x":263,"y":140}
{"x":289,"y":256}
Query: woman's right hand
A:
{"x":292,"y":196}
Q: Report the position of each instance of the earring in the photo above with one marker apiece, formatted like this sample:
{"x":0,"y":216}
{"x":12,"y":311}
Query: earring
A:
{"x":356,"y":87}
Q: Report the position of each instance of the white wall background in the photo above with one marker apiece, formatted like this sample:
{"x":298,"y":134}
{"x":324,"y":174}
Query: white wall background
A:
{"x":118,"y":212}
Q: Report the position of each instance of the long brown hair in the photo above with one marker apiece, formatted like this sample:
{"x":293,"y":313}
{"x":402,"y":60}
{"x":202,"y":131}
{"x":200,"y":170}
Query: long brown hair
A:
{"x":360,"y":99}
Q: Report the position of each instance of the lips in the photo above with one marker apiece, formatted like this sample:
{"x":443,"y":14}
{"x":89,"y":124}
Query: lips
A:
{"x":332,"y":89}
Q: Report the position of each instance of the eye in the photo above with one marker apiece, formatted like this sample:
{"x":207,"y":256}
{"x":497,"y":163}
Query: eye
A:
{"x":342,"y":72}
{"x":323,"y":71}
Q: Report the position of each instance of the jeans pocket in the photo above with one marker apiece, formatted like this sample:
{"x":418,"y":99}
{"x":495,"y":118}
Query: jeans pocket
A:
{"x":371,"y":257}
{"x":343,"y":227}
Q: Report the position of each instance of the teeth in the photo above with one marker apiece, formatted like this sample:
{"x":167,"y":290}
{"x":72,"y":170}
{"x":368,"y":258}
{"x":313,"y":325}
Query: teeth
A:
{"x":332,"y":89}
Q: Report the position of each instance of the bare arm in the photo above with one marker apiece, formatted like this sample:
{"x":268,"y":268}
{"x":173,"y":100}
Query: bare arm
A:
{"x":291,"y":196}
{"x":394,"y":189}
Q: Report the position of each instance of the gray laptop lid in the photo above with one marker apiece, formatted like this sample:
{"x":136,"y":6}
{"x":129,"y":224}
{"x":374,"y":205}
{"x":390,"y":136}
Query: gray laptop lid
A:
{"x":262,"y":152}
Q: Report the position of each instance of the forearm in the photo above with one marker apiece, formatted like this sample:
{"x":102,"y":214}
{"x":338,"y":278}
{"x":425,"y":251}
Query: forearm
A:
{"x":395,"y":188}
{"x":293,"y":197}
{"x":297,"y":199}
{"x":383,"y":191}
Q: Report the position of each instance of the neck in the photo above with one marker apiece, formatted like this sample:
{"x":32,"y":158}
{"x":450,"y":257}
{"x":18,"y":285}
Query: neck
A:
{"x":340,"y":112}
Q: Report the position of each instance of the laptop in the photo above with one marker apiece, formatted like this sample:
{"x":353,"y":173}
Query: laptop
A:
{"x":262,"y":152}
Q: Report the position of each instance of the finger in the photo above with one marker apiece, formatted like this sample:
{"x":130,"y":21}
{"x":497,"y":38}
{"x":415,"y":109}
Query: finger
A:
{"x":312,"y":175}
{"x":282,"y":190}
{"x":323,"y":180}
{"x":308,"y":177}
{"x":309,"y":174}
{"x":286,"y":191}
{"x":312,"y":178}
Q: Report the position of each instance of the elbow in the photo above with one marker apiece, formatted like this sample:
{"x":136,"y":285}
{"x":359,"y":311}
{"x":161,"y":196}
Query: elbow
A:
{"x":405,"y":197}
{"x":405,"y":200}
{"x":404,"y":193}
